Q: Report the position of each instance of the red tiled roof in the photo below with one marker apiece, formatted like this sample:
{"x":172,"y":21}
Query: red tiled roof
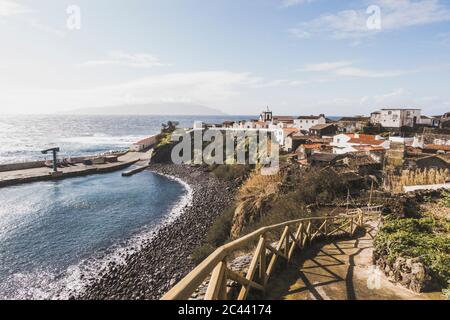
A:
{"x":364,"y":139}
{"x":369,"y":148}
{"x":311,"y":117}
{"x":312,"y":146}
{"x":289,"y":131}
{"x":437,"y":147}
{"x":148,"y":140}
{"x":283,"y":118}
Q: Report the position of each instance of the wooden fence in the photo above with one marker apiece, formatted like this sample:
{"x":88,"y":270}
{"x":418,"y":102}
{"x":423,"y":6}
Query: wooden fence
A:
{"x":295,"y":235}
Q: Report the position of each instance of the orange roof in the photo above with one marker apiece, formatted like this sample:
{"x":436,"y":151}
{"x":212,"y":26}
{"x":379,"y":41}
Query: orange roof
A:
{"x":437,"y":147}
{"x":312,"y":146}
{"x":289,"y":131}
{"x":148,"y":140}
{"x":369,"y":148}
{"x":364,"y":139}
{"x":361,"y":136}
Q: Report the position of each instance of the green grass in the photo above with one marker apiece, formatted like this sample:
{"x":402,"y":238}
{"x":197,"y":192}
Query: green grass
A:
{"x":417,"y":238}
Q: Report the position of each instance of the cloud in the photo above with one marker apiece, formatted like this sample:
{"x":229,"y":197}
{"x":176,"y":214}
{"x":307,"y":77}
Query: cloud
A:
{"x":47,"y":29}
{"x":139,"y":60}
{"x":209,"y":88}
{"x":395,"y":15}
{"x":11,"y":8}
{"x":290,"y":3}
{"x":326,"y":66}
{"x":396,"y":98}
{"x":25,"y":15}
{"x":346,"y":69}
{"x":299,"y":33}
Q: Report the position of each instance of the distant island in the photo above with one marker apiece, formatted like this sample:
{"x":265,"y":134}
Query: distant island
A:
{"x":161,"y":109}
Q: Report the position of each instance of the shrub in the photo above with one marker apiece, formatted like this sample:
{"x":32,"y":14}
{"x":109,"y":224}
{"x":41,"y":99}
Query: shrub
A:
{"x":231,"y":172}
{"x":416,"y":238}
{"x":446,"y":292}
{"x":319,"y":186}
{"x":218,"y":234}
{"x":201,"y":253}
{"x":284,"y":208}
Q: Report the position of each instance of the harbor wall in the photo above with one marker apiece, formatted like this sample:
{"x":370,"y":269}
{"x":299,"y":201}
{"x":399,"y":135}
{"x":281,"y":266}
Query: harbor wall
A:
{"x":40,"y":164}
{"x":21,"y":166}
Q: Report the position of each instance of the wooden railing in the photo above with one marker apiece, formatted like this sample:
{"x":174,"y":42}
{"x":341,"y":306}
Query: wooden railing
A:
{"x":296,"y":234}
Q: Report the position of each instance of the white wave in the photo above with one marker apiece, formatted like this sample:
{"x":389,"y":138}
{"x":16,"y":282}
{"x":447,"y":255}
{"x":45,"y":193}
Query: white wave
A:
{"x":102,"y":139}
{"x":49,"y":285}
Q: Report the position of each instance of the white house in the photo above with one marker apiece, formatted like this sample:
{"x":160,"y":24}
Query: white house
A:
{"x":429,"y":121}
{"x":307,"y":122}
{"x":281,"y":136}
{"x":396,"y":118}
{"x":354,"y":142}
{"x":143,"y":144}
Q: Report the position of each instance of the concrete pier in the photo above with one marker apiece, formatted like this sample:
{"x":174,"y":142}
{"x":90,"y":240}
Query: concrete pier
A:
{"x":8,"y":178}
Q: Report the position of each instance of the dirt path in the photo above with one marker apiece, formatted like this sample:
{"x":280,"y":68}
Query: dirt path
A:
{"x":340,"y":270}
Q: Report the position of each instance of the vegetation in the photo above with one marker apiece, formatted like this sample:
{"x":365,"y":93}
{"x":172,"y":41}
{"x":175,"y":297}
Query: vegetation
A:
{"x":253,"y":198}
{"x":426,"y":237}
{"x":395,"y":183}
{"x":231,"y":172}
{"x":163,"y":149}
{"x":218,"y":234}
{"x":285,"y":208}
{"x":446,"y":292}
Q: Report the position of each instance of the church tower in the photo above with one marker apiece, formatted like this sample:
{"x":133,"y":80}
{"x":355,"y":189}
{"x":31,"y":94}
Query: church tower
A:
{"x":266,"y":116}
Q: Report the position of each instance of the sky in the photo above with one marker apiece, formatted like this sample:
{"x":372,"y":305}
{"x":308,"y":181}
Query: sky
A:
{"x":239,"y":56}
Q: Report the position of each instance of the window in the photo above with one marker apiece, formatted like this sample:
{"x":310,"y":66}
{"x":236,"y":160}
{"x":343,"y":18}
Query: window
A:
{"x":390,"y":112}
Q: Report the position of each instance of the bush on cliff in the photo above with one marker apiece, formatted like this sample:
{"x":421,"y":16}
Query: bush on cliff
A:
{"x":231,"y":172}
{"x":285,"y":208}
{"x":218,"y":234}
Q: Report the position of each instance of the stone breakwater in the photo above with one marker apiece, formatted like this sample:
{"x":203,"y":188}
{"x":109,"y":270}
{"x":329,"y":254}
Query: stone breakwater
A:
{"x":165,"y":259}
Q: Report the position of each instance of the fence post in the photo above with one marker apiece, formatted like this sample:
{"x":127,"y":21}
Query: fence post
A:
{"x":263,"y":262}
{"x":351,"y":225}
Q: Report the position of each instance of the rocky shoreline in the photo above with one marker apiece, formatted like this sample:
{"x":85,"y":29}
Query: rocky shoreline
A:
{"x":165,"y":259}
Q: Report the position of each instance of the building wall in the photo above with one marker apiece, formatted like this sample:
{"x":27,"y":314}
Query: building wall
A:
{"x":351,"y":126}
{"x":279,"y":136}
{"x":396,"y":118}
{"x":287,"y":146}
{"x":306,"y":124}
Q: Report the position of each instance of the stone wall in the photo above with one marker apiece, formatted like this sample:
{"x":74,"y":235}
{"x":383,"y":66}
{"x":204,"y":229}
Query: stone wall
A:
{"x":21,"y":166}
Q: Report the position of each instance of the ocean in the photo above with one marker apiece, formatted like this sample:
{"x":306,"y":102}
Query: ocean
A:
{"x":56,"y":236}
{"x":23,"y":137}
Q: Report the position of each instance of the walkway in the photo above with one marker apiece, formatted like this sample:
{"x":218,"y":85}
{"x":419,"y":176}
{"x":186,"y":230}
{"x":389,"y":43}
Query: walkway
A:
{"x":30,"y":175}
{"x":341,"y":270}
